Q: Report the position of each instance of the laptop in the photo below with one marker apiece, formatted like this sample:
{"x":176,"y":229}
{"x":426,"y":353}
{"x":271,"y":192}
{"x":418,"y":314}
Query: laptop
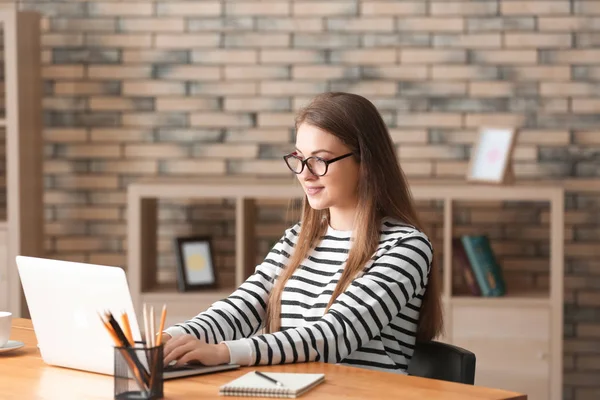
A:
{"x":64,"y":299}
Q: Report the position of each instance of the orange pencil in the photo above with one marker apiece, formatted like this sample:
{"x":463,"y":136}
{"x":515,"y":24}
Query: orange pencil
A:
{"x":161,"y":327}
{"x":127,"y":327}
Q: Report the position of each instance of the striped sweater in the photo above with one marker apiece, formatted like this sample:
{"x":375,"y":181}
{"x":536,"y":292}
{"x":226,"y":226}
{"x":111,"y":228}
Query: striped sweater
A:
{"x":371,"y":325}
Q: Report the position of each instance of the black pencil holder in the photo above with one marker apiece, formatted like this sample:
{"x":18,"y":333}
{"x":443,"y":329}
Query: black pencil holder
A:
{"x":139,"y":372}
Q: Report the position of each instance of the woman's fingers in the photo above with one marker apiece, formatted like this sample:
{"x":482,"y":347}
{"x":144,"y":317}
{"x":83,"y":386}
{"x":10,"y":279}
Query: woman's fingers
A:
{"x":177,"y":348}
{"x":192,"y":355}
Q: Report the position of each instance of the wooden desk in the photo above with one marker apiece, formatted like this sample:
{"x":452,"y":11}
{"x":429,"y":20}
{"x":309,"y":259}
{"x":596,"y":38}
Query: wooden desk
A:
{"x":25,"y":376}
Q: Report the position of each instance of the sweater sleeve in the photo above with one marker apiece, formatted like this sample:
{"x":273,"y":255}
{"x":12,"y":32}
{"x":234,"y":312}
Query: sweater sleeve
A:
{"x":241,"y":314}
{"x":356,"y":317}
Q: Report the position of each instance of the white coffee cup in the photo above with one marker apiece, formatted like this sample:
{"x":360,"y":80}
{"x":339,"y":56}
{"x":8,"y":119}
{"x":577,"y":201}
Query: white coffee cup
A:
{"x":5,"y":323}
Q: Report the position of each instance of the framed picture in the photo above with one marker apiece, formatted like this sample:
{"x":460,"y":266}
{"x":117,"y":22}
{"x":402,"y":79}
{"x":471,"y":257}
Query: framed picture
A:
{"x":195,"y":267}
{"x":491,"y":157}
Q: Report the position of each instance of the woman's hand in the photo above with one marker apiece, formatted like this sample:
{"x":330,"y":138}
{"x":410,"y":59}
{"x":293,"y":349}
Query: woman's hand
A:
{"x":186,"y":348}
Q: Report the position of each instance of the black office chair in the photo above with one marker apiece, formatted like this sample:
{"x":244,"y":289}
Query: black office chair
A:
{"x":443,"y":361}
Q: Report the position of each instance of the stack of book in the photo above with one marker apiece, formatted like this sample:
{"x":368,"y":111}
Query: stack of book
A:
{"x":477,"y":263}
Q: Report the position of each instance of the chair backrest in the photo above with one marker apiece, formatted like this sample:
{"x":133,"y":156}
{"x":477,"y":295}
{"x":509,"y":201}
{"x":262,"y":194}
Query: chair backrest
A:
{"x":443,"y":361}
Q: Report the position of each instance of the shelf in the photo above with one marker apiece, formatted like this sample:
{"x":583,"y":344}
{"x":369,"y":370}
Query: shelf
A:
{"x":516,"y":299}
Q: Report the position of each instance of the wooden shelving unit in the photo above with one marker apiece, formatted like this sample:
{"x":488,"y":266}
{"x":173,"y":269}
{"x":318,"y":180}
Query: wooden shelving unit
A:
{"x":517,"y":338}
{"x":22,"y":231}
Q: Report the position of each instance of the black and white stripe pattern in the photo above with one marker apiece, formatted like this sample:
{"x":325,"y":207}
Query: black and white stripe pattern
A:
{"x":371,"y":325}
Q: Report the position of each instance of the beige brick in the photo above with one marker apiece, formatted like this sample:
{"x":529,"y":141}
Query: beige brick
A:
{"x":403,"y":72}
{"x":450,"y":169}
{"x":140,"y":8}
{"x":537,"y":40}
{"x":365,"y":56}
{"x":430,"y":24}
{"x":256,"y":104}
{"x":152,"y":119}
{"x":432,"y":56}
{"x":189,"y":73}
{"x":587,"y":56}
{"x":113,"y":103}
{"x":408,"y":136}
{"x":461,"y":136}
{"x":585,"y":106}
{"x":589,"y":363}
{"x":262,"y":135}
{"x":126,"y":166}
{"x":119,"y":71}
{"x":367,"y":88}
{"x":187,"y":41}
{"x":462,"y":72}
{"x":438,"y":120}
{"x":472,"y":40}
{"x":224,"y":88}
{"x":261,"y":39}
{"x":153,"y":150}
{"x":92,"y":151}
{"x":319,"y":72}
{"x":290,"y":24}
{"x":62,"y":228}
{"x":499,"y":119}
{"x":119,"y":135}
{"x":567,"y":89}
{"x":392,"y":8}
{"x":226,"y":57}
{"x":364,"y":24}
{"x":417,"y":169}
{"x":89,"y":213}
{"x":225,"y":150}
{"x":587,"y":7}
{"x":131,"y":56}
{"x":220,"y":120}
{"x":80,"y":88}
{"x":334,"y":7}
{"x":63,"y":71}
{"x":408,"y":152}
{"x":186,"y":104}
{"x":79,"y":244}
{"x":257,"y":72}
{"x":582,"y":249}
{"x":152,"y":25}
{"x":116,"y":259}
{"x":567,"y":23}
{"x":86,"y":181}
{"x":62,"y":40}
{"x":525,"y":153}
{"x":541,"y":73}
{"x":258,"y":8}
{"x":535,"y":7}
{"x":291,"y":56}
{"x":505,"y":56}
{"x":259,"y":167}
{"x":152,"y":88}
{"x":587,"y":298}
{"x":64,"y":103}
{"x":280,"y":88}
{"x":542,"y":137}
{"x":193,"y":167}
{"x":65,"y":135}
{"x":189,"y":8}
{"x":586,"y":138}
{"x":588,"y":330}
{"x":276,"y":119}
{"x":78,"y":25}
{"x":491,"y":89}
{"x":131,"y":40}
{"x":60,"y":167}
{"x":463,"y":8}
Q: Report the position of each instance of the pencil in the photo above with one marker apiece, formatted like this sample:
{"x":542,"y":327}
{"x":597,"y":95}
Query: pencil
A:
{"x":127,"y":327}
{"x":161,"y":327}
{"x":152,"y":327}
{"x":146,"y":327}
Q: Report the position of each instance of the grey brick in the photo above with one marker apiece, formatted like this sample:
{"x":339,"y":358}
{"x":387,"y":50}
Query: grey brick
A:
{"x":587,"y":169}
{"x":53,"y":8}
{"x":164,"y":57}
{"x":581,"y":72}
{"x":190,"y":135}
{"x":412,"y":88}
{"x":501,"y":24}
{"x":274,"y":151}
{"x":73,"y":119}
{"x":528,"y":104}
{"x":568,"y":121}
{"x":85,"y":55}
{"x":400,"y":104}
{"x":143,"y":103}
{"x":458,"y":104}
{"x":83,"y":24}
{"x":220,"y":24}
{"x":325,"y":40}
{"x":556,"y":154}
{"x":405,"y":39}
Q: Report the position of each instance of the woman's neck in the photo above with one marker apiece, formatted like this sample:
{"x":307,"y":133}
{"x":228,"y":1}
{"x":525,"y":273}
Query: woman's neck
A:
{"x":342,"y":219}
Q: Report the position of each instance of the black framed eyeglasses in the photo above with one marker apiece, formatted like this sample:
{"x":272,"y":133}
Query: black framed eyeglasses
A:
{"x":316,"y":165}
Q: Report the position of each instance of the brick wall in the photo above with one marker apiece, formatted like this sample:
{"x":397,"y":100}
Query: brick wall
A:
{"x":142,"y":88}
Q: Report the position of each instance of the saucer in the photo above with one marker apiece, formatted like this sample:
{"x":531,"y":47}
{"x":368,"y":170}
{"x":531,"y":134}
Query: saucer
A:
{"x":11,"y":345}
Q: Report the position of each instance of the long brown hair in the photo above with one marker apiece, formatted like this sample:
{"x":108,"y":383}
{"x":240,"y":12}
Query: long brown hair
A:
{"x":382,"y":191}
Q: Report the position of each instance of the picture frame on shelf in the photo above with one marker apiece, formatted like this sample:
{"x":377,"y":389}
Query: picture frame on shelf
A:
{"x":491,"y":158}
{"x":195,"y":263}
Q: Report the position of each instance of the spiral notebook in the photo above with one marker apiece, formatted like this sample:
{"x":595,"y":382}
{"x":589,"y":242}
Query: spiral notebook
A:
{"x":253,"y":385}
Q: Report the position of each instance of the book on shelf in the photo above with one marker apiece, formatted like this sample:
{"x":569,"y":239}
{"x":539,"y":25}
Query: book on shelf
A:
{"x":483,"y":266}
{"x":459,"y":255}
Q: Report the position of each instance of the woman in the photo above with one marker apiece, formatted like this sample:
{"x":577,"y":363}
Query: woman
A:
{"x":351,"y":283}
